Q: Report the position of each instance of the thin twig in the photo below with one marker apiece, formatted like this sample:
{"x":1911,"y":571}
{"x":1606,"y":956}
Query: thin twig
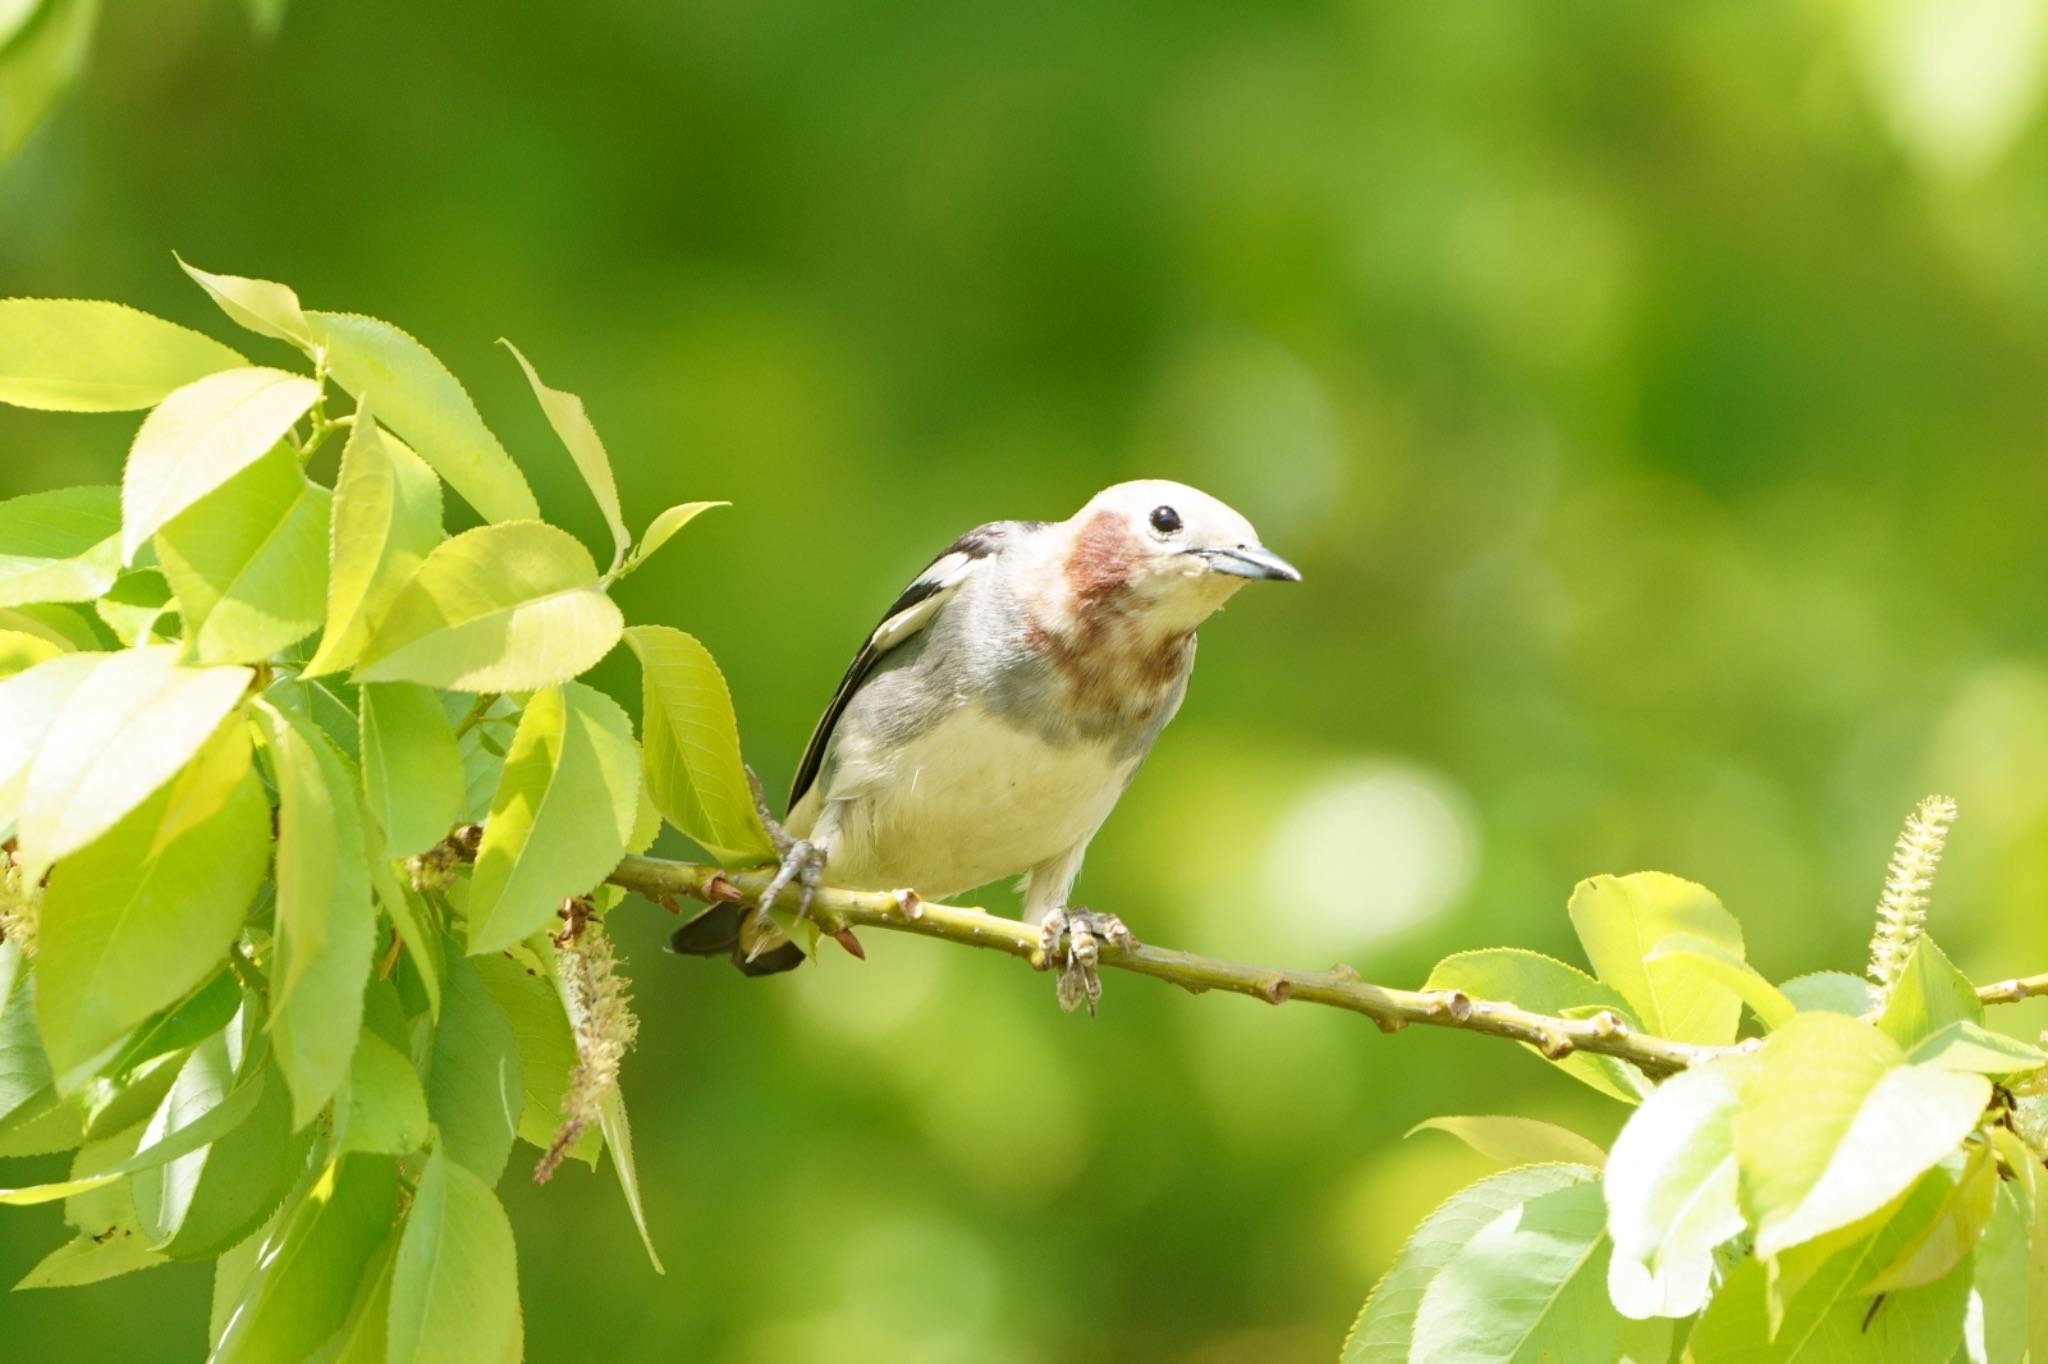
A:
{"x":1340,"y":987}
{"x":2014,"y":990}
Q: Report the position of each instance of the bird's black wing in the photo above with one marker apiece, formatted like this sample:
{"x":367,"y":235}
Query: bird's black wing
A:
{"x":910,"y":613}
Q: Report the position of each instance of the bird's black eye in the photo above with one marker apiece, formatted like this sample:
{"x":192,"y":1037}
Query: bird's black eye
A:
{"x":1165,"y":520}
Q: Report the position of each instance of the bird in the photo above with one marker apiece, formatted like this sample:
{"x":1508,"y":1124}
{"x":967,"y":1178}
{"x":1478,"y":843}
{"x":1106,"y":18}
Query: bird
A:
{"x":991,"y":721}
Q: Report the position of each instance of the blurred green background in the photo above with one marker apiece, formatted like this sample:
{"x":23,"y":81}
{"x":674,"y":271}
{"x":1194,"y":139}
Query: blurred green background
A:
{"x":1653,"y":398}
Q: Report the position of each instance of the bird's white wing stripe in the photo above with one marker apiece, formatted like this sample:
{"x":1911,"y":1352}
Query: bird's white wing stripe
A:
{"x":944,"y":578}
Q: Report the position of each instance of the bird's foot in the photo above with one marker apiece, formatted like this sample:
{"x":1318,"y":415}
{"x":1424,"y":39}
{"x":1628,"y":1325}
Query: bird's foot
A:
{"x":800,"y":860}
{"x":1084,"y":931}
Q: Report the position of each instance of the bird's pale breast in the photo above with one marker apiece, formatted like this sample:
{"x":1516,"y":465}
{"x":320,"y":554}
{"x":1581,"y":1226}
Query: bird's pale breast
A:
{"x":971,"y":800}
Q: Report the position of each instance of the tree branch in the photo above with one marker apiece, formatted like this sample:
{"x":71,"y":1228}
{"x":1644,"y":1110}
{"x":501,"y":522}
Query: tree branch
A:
{"x":2014,"y":990}
{"x":1604,"y":1034}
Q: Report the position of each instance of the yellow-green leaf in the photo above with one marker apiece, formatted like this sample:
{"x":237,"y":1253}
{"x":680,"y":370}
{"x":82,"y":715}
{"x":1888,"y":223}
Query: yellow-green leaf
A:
{"x":511,"y":607}
{"x":1545,"y":985}
{"x":412,"y":770}
{"x":249,"y":562}
{"x":559,"y":822}
{"x":1516,"y":1141}
{"x":125,"y":727}
{"x":201,"y":436}
{"x":386,"y":519}
{"x":1715,"y":961}
{"x":455,"y":1291}
{"x":1621,"y":919}
{"x":691,"y":747}
{"x":258,"y":304}
{"x":135,"y":919}
{"x":76,"y":355}
{"x":565,"y":413}
{"x":63,"y":545}
{"x":418,"y":398}
{"x":325,"y":922}
{"x":1834,"y":1125}
{"x":664,"y":526}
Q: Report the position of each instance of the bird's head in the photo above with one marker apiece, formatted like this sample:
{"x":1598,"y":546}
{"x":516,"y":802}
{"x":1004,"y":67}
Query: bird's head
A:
{"x":1164,"y":551}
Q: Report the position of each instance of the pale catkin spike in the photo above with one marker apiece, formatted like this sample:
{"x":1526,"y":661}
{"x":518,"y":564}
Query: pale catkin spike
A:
{"x":1902,"y":908}
{"x":18,"y":904}
{"x":600,"y":1009}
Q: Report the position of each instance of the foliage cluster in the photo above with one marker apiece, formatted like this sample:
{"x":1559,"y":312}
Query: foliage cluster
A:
{"x":1861,"y":1179}
{"x":245,"y":975}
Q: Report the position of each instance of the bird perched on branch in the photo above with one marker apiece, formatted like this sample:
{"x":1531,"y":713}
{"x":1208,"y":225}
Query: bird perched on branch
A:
{"x":990,"y":722}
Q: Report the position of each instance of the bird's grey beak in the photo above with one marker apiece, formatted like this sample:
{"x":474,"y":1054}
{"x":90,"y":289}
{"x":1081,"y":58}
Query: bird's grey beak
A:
{"x":1251,"y":561}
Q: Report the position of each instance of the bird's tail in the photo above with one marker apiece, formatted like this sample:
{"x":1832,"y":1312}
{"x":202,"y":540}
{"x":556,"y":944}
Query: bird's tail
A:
{"x":756,"y":946}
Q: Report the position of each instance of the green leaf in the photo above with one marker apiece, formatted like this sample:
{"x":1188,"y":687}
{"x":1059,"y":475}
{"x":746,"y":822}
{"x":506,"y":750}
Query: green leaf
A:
{"x":63,"y":545}
{"x":1671,"y":1191}
{"x":1385,"y":1329}
{"x":1716,"y":962}
{"x":306,"y":1278}
{"x":1621,"y":919}
{"x":1834,"y":1125}
{"x":199,"y":438}
{"x":89,"y":1259}
{"x":1826,"y":1320}
{"x":1516,"y":1141}
{"x":198,"y":1205}
{"x":33,"y":1119}
{"x":216,"y":1122}
{"x":198,"y":1016}
{"x":121,"y":733}
{"x":511,"y":607}
{"x":1834,"y":992}
{"x":30,"y":702}
{"x":1930,"y":994}
{"x":38,"y":63}
{"x":138,"y":608}
{"x":565,"y":413}
{"x":1962,"y":1045}
{"x":363,"y":1336}
{"x":42,"y":1126}
{"x":386,"y":520}
{"x":473,"y":1084}
{"x":524,"y":991}
{"x":409,"y":914}
{"x":618,"y":1140}
{"x":136,"y":919}
{"x":692,"y":747}
{"x":455,"y":1292}
{"x":1949,"y":1238}
{"x":112,"y":1107}
{"x":74,"y":355}
{"x":249,"y":562}
{"x":1544,"y":985}
{"x":1998,"y":1275}
{"x":418,"y":398}
{"x":1529,"y":1285}
{"x":662,"y":528}
{"x":20,"y":651}
{"x":382,"y":1107}
{"x":258,"y":304}
{"x":412,"y":770}
{"x":564,"y":808}
{"x":326,"y":926}
{"x":63,"y":626}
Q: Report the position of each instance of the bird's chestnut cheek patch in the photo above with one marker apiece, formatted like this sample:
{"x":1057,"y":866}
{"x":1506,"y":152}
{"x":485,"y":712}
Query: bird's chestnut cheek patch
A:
{"x":1102,"y":561}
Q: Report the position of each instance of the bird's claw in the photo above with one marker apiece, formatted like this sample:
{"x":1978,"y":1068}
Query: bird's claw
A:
{"x":803,"y":863}
{"x":1084,"y":930}
{"x":800,"y":860}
